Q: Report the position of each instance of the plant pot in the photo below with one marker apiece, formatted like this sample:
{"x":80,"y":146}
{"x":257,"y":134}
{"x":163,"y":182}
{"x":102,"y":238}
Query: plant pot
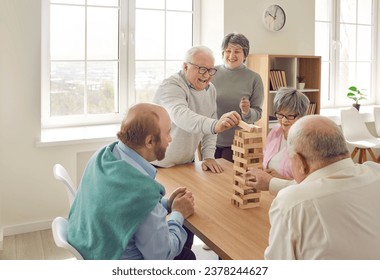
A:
{"x":301,"y":86}
{"x":357,"y":106}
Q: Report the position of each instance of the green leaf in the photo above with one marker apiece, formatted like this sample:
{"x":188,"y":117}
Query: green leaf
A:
{"x":353,"y":88}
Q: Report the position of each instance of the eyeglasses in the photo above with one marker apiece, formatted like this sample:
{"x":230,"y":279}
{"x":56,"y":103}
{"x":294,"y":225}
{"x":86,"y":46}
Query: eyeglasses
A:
{"x":202,"y":70}
{"x":288,"y":117}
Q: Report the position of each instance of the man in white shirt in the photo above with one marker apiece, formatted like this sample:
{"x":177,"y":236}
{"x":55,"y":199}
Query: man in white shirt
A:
{"x":333,"y":211}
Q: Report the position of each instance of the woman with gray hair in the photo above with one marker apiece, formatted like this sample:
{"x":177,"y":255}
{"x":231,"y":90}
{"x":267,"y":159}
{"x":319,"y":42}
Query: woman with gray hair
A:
{"x":237,"y":89}
{"x":289,"y":106}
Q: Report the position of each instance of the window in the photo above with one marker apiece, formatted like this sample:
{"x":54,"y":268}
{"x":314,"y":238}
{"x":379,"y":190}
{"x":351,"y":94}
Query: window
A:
{"x":345,"y":38}
{"x":101,"y":56}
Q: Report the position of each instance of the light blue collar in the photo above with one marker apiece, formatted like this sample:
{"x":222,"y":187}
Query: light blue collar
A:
{"x":128,"y":153}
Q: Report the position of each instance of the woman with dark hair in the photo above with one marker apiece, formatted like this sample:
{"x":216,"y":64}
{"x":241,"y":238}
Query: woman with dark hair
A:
{"x":237,"y":89}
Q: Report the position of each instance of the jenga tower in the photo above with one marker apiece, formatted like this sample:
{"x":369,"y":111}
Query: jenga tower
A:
{"x":247,"y":152}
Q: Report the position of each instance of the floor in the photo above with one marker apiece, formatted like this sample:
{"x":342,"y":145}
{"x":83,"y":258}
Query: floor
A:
{"x":39,"y":245}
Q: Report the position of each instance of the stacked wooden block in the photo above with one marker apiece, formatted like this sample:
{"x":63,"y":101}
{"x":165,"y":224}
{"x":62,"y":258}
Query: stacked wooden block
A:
{"x":247,"y":152}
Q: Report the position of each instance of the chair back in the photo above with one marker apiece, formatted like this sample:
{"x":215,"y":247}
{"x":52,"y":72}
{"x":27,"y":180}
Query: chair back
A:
{"x":61,"y":174}
{"x":353,"y":126}
{"x":59,"y":228}
{"x":376,"y":113}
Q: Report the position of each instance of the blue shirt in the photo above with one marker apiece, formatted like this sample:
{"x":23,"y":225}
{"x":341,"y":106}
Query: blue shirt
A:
{"x":156,"y":238}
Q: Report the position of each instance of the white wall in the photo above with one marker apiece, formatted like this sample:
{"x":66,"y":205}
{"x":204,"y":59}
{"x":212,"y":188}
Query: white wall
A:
{"x":245,"y":16}
{"x":30,"y":196}
{"x":29,"y":192}
{"x":212,"y":22}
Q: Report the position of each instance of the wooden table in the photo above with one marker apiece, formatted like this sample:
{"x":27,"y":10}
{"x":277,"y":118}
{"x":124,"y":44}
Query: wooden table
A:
{"x":230,"y":232}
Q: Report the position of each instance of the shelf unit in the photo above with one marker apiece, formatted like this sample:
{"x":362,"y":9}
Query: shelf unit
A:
{"x":294,"y":65}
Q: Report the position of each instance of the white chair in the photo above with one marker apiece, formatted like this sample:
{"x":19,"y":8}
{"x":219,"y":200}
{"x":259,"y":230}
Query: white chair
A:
{"x":59,"y":228}
{"x":61,"y":174}
{"x":357,"y":134}
{"x":376,"y":113}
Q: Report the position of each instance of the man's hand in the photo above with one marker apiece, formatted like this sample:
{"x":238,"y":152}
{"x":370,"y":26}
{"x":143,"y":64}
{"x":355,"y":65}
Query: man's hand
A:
{"x":258,"y":179}
{"x":211,"y":164}
{"x":274,"y":173}
{"x":244,"y":105}
{"x":173,"y":195}
{"x":227,"y":121}
{"x":184,"y":203}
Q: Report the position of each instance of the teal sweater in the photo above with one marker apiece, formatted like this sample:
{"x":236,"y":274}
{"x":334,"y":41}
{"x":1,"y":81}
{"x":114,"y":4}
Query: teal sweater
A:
{"x":112,"y":200}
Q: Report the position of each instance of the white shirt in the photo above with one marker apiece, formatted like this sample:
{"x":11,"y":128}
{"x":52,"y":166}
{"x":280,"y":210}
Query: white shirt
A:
{"x":333,"y":214}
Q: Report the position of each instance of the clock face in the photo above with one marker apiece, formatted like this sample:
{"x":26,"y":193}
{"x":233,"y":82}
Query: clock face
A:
{"x":274,"y":18}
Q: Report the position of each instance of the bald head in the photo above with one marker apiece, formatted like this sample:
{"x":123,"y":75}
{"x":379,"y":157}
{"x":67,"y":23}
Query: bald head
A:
{"x":318,"y":139}
{"x":142,"y":120}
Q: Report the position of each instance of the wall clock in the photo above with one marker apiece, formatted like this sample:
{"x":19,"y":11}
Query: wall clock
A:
{"x":274,"y":18}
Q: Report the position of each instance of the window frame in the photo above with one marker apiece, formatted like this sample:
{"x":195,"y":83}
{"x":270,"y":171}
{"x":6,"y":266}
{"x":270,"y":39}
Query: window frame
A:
{"x":126,"y":94}
{"x":334,"y":59}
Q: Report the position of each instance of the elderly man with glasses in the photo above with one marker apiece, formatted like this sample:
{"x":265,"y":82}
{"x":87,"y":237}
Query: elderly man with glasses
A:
{"x":190,"y":99}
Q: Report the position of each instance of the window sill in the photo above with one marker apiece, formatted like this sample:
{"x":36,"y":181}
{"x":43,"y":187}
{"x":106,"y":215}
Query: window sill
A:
{"x":77,"y":135}
{"x":366,"y":113}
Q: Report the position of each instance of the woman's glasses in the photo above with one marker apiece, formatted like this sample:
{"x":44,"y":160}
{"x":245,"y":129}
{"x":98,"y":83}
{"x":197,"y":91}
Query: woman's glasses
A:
{"x":288,"y":117}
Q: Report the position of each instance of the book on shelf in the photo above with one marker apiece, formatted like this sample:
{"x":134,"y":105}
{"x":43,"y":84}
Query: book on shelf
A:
{"x":277,"y":79}
{"x":312,"y":108}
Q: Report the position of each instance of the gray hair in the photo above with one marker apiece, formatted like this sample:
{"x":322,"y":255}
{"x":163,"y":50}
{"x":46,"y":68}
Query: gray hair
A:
{"x":317,"y":138}
{"x":194,"y":50}
{"x":291,"y":100}
{"x":236,"y":39}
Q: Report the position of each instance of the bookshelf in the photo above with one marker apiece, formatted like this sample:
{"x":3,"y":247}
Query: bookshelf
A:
{"x":290,"y":66}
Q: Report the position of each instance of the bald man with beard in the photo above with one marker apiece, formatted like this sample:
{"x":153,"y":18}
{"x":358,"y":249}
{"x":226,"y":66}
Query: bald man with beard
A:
{"x":119,"y":211}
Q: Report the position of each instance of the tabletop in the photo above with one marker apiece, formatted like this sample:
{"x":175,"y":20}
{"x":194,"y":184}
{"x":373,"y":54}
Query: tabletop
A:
{"x":231,"y":232}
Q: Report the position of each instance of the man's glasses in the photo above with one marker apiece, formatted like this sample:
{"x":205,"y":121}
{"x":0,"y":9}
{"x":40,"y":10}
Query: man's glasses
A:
{"x":202,"y":70}
{"x":288,"y":117}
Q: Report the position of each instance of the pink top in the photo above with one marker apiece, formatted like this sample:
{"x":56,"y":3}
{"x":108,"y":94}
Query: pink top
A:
{"x":272,"y":147}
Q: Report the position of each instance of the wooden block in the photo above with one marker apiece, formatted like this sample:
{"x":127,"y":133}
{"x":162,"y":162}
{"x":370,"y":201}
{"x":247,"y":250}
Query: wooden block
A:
{"x":241,"y":190}
{"x":242,"y":134}
{"x":239,"y":169}
{"x":246,"y":126}
{"x":246,"y":205}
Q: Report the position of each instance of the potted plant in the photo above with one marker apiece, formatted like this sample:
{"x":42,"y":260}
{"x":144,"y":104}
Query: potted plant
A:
{"x":356,"y":95}
{"x":301,"y":83}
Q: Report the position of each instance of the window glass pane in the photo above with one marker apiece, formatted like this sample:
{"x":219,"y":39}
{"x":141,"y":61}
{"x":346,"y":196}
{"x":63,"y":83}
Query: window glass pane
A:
{"x":173,"y":67}
{"x":364,"y":78}
{"x":179,"y":36}
{"x":67,"y":88}
{"x":365,"y":11}
{"x":364,"y":43}
{"x":67,"y":38}
{"x":78,"y":2}
{"x":110,"y":3}
{"x":102,"y":81}
{"x":325,"y":86}
{"x":152,"y":4}
{"x":348,"y":42}
{"x":348,"y":11}
{"x":150,"y":37}
{"x":149,"y":75}
{"x":102,"y":32}
{"x":322,"y":40}
{"x":322,"y":10}
{"x":346,"y":78}
{"x":179,"y":5}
